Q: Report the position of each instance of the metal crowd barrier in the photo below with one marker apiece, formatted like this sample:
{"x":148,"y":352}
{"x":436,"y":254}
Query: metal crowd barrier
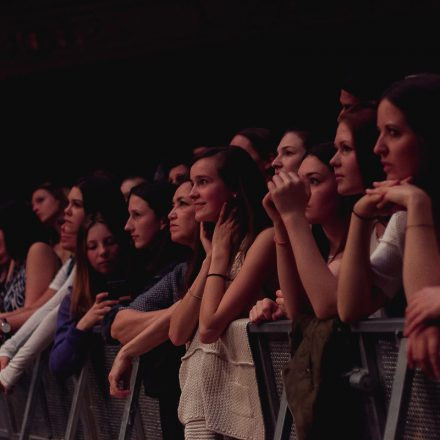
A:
{"x":399,"y":403}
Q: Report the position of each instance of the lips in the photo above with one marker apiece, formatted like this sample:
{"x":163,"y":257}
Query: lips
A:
{"x":386,"y":166}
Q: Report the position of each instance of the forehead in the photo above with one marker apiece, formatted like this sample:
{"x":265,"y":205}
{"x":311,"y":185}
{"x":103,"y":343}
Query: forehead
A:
{"x":41,"y":192}
{"x":389,"y":113}
{"x":204,"y":167}
{"x":75,"y":193}
{"x":291,"y":139}
{"x":311,"y":164}
{"x":138,"y":203}
{"x":346,"y":98}
{"x":241,"y":141}
{"x":343,"y":132}
{"x":183,"y":190}
{"x":97,"y":231}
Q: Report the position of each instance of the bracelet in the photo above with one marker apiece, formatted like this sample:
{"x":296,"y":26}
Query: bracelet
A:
{"x":362,"y":217}
{"x":195,"y":296}
{"x":280,"y":243}
{"x":421,"y":225}
{"x":217,"y":275}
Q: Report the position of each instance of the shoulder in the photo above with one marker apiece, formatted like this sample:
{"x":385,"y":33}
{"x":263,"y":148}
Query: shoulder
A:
{"x":263,"y":240}
{"x":40,"y":250}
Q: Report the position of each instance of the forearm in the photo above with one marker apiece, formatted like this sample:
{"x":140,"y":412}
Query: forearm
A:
{"x":290,"y":283}
{"x":421,"y":260}
{"x":18,"y":319}
{"x":129,"y":323}
{"x":354,"y":292}
{"x":319,"y":283}
{"x":151,"y":336}
{"x":185,"y":317}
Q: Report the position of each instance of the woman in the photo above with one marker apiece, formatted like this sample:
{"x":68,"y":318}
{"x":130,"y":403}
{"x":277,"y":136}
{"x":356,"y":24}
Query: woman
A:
{"x":239,"y":265}
{"x":100,"y":257}
{"x":143,"y":326}
{"x":32,"y":263}
{"x":87,"y":196}
{"x":48,"y":202}
{"x":408,"y":148}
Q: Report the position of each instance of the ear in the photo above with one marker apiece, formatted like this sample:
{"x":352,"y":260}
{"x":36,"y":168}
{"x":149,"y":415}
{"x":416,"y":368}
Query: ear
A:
{"x":163,"y":223}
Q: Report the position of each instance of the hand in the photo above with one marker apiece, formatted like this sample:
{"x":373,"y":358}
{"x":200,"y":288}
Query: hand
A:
{"x":423,"y":307}
{"x":271,"y":209}
{"x":265,"y":310}
{"x":97,"y":312}
{"x":225,"y":231}
{"x":119,"y":376}
{"x":4,"y":361}
{"x":289,"y":193}
{"x":399,"y":195}
{"x":206,"y":241}
{"x":423,"y":351}
{"x":280,"y":301}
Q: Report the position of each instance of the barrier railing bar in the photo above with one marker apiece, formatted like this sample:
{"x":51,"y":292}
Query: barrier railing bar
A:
{"x":9,"y":417}
{"x":379,"y":325}
{"x":402,"y":381}
{"x":284,"y":420}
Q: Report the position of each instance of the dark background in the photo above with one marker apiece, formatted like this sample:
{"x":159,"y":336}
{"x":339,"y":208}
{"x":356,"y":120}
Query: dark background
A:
{"x":121,"y":86}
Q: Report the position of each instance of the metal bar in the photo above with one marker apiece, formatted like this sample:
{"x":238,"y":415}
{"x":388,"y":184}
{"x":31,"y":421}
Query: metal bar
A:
{"x":281,"y":326}
{"x":9,"y":417}
{"x":388,"y":325}
{"x":130,"y":407}
{"x":284,"y":420}
{"x":78,"y":392}
{"x":30,"y":401}
{"x":397,"y":407}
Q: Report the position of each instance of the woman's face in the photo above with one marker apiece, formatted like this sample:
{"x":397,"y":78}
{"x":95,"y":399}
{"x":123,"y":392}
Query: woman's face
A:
{"x":398,"y":145}
{"x":73,"y":217}
{"x":209,"y":192}
{"x":183,"y":224}
{"x":45,"y":205}
{"x":102,"y":249}
{"x":324,"y":198}
{"x":345,"y":164}
{"x":142,"y":224}
{"x":290,"y":153}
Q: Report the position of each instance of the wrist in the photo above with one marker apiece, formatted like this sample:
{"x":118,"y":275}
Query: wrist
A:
{"x":419,"y":200}
{"x":83,"y":325}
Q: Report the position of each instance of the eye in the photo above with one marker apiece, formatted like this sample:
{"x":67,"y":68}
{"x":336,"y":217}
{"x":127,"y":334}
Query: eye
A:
{"x":313,"y":181}
{"x":110,"y":241}
{"x":345,"y":148}
{"x":91,"y":246}
{"x":392,"y":131}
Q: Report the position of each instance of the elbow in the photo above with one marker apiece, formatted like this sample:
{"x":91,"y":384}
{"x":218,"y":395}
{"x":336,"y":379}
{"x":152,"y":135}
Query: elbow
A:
{"x":117,"y":330}
{"x":325,"y":311}
{"x":176,"y":337}
{"x":208,"y":335}
{"x":347,"y":316}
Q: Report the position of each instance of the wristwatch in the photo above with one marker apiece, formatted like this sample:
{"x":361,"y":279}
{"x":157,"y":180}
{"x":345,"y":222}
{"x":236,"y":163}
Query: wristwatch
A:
{"x":5,"y":327}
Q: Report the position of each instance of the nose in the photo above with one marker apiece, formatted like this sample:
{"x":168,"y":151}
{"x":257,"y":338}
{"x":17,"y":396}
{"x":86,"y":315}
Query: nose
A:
{"x":276,"y":162}
{"x":380,"y":147}
{"x":194,"y":193}
{"x":68,"y":210}
{"x":128,"y":226}
{"x":335,"y":161}
{"x":172,"y":214}
{"x":102,"y":250}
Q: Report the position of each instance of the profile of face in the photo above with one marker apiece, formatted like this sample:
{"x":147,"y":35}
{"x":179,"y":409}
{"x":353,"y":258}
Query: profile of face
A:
{"x":102,"y":249}
{"x":128,"y":184}
{"x":347,"y":101}
{"x":324,"y":199}
{"x":4,"y":257}
{"x":142,"y":223}
{"x":45,"y":205}
{"x":73,"y":217}
{"x":183,"y":226}
{"x":398,"y":145}
{"x":209,"y":192}
{"x":345,"y":164}
{"x":290,"y":153}
{"x":177,"y":174}
{"x":243,"y":142}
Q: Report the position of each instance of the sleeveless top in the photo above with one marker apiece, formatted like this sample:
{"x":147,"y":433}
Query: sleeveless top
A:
{"x":12,"y":295}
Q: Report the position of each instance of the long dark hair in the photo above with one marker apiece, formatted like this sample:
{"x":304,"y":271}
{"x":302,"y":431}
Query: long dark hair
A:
{"x":242,"y":177}
{"x":417,"y":97}
{"x":87,"y":282}
{"x":361,"y":122}
{"x":324,"y":152}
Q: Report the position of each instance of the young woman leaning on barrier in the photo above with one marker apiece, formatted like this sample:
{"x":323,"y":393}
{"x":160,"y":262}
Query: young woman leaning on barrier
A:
{"x":408,"y":147}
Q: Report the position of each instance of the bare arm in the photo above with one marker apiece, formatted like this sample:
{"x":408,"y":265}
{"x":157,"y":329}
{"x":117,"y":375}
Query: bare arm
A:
{"x":42,"y":265}
{"x":220,"y":308}
{"x":130,"y":323}
{"x":185,"y":317}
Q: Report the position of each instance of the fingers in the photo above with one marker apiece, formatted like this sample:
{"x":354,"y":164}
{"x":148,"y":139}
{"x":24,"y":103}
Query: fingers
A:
{"x":100,"y":296}
{"x":433,"y":346}
{"x":386,"y":183}
{"x":262,"y":311}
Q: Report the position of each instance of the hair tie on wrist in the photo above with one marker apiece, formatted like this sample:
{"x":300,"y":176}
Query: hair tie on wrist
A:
{"x":362,"y":217}
{"x":421,"y":225}
{"x":217,"y":275}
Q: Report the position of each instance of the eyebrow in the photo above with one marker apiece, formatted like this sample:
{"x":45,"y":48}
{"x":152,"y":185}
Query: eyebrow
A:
{"x":313,"y":173}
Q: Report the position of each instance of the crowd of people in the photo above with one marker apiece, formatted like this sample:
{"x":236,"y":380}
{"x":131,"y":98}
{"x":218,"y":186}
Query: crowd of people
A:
{"x":261,"y":229}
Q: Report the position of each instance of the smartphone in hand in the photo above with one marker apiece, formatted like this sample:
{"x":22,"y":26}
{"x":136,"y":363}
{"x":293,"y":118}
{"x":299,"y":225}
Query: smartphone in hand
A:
{"x":117,"y":288}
